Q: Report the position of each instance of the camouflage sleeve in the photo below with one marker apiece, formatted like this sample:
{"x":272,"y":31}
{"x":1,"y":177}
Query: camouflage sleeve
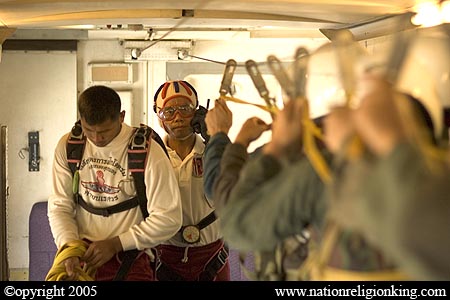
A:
{"x":270,"y":202}
{"x":403,"y":207}
{"x":211,"y":159}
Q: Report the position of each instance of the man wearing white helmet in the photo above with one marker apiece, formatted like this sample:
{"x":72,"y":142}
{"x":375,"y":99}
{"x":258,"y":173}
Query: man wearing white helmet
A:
{"x":197,"y":252}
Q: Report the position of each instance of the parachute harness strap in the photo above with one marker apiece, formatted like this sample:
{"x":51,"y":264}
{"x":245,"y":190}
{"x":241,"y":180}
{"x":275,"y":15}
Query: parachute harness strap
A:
{"x":310,"y":132}
{"x":240,"y":101}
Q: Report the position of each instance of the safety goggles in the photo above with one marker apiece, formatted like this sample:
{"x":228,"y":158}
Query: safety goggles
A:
{"x":168,"y":113}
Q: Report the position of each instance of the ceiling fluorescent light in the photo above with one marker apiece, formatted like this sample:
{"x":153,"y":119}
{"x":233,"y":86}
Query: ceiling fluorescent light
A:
{"x":135,"y":53}
{"x":445,"y":11}
{"x":431,"y":13}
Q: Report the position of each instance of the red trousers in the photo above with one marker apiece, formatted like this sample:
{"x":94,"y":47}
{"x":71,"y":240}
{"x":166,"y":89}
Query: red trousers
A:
{"x":198,"y":257}
{"x":140,"y":270}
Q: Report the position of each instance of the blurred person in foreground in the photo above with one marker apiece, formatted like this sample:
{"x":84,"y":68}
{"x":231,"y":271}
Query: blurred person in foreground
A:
{"x":289,"y":195}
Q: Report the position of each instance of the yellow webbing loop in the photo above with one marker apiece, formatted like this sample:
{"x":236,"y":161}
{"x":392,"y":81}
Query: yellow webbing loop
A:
{"x":58,"y":270}
{"x":263,"y":107}
{"x":333,"y":274}
{"x":316,"y":265}
{"x":311,"y":131}
{"x":319,"y":255}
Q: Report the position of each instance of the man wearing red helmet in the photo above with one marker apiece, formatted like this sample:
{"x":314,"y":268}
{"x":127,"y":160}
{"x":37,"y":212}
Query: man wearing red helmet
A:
{"x":197,"y":252}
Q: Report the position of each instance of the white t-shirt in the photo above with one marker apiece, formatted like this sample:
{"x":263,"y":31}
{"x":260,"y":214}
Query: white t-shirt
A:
{"x":105,"y":181}
{"x":196,"y":206}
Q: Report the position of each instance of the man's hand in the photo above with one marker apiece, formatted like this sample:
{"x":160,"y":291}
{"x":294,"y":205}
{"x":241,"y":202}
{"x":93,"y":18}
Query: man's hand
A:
{"x":198,"y":123}
{"x":287,"y":131}
{"x":377,"y":120}
{"x":250,"y":131}
{"x":100,"y":252}
{"x":71,"y":264}
{"x":338,"y":128}
{"x":219,"y":118}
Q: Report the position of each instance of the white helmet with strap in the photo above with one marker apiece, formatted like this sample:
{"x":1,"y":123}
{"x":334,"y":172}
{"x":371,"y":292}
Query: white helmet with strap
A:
{"x":426,"y":72}
{"x":332,"y":73}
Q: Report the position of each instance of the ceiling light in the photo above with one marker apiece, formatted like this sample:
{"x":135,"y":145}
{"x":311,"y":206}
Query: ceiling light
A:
{"x":445,"y":11}
{"x":182,"y":54}
{"x":431,"y":13}
{"x":135,"y":53}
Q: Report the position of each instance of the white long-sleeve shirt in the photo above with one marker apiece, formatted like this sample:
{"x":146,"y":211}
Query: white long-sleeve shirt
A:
{"x":105,"y":181}
{"x":196,"y":206}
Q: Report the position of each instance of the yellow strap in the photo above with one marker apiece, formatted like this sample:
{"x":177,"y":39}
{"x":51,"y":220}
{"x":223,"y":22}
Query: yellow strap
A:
{"x":263,"y":107}
{"x":58,"y":270}
{"x":318,"y":257}
{"x":310,"y":132}
{"x":334,"y":274}
{"x":316,"y":266}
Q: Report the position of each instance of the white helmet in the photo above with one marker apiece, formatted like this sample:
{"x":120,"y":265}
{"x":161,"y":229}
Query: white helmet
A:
{"x":426,"y":71}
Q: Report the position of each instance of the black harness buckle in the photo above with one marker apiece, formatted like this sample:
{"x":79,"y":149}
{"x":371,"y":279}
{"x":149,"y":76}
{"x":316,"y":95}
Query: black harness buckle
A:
{"x":77,"y":132}
{"x":222,"y":255}
{"x":139,"y":139}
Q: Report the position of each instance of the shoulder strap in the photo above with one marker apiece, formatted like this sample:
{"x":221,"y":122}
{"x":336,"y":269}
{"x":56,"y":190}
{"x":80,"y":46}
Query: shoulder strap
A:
{"x":137,"y":158}
{"x":138,"y":149}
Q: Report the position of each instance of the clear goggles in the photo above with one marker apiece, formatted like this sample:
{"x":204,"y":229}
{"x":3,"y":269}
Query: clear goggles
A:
{"x":168,"y":113}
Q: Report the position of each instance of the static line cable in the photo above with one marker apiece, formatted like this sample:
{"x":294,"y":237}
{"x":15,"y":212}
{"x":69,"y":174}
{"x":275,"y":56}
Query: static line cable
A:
{"x":181,"y":22}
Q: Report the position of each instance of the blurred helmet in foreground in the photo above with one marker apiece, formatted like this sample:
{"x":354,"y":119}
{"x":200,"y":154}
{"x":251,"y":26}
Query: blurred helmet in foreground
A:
{"x":424,"y":73}
{"x":426,"y":70}
{"x":332,"y":72}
